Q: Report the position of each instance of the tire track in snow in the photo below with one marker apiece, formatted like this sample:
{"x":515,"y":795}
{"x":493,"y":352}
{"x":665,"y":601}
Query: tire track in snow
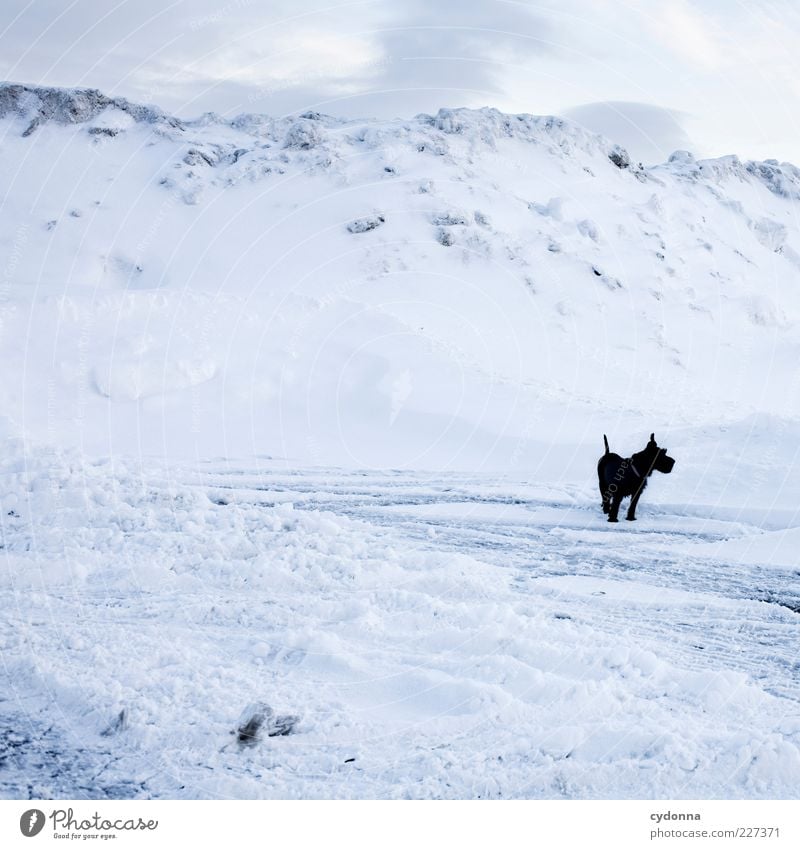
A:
{"x":745,"y":618}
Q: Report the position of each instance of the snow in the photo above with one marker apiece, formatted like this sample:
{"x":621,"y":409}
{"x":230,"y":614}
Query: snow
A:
{"x":509,"y":654}
{"x":282,"y":261}
{"x":300,"y":419}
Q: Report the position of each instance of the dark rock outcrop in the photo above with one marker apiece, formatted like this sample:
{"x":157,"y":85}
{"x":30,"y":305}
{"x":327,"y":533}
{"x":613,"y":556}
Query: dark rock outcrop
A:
{"x":40,"y":104}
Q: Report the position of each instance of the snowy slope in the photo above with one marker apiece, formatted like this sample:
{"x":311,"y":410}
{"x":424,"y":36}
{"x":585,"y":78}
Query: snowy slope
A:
{"x":214,"y":287}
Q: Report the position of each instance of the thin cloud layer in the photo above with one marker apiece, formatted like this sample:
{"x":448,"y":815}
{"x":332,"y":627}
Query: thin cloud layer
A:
{"x":649,"y":133}
{"x":732,"y":67}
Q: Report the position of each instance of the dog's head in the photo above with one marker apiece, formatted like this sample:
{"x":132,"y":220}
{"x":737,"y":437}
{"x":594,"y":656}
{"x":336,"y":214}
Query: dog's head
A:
{"x":660,"y":461}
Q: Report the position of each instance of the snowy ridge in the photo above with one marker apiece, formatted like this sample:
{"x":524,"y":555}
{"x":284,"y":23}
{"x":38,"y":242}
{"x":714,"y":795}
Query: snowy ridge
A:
{"x":40,"y":104}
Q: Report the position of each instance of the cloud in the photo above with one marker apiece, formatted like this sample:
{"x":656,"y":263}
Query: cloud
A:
{"x":390,"y":60}
{"x":688,"y":31}
{"x":440,"y":50}
{"x":377,"y":57}
{"x":649,"y":133}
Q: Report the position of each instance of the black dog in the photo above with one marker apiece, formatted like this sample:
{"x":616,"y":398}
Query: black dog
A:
{"x":622,"y":478}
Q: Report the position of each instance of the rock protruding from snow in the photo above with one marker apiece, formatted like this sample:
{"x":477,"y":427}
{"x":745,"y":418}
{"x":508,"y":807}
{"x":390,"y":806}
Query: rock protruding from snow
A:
{"x":364,"y":225}
{"x":445,"y":238}
{"x":619,"y":156}
{"x":782,"y":180}
{"x":70,"y":106}
{"x":488,"y":126}
{"x":450,"y":218}
{"x":303,"y":135}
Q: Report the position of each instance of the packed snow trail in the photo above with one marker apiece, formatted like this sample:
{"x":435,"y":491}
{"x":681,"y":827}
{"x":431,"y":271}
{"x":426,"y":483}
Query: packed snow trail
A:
{"x":544,"y":540}
{"x":441,"y":636}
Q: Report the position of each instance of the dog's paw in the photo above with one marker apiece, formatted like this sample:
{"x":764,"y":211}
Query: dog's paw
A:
{"x":630,"y":518}
{"x":613,"y":520}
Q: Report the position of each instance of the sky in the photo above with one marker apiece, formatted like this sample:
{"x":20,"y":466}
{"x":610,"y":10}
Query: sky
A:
{"x":711,"y":76}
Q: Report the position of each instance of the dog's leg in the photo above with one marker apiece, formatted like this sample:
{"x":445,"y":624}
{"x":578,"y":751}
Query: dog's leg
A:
{"x":631,"y":517}
{"x":613,"y":510}
{"x":604,"y":495}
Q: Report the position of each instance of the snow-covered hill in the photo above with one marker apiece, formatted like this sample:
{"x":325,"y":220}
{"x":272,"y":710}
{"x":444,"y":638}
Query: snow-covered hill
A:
{"x":462,"y":290}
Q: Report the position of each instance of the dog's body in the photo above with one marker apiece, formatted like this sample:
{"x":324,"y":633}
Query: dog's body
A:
{"x":620,"y":478}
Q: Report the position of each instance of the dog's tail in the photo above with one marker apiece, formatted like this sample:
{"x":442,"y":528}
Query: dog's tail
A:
{"x":605,"y":439}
